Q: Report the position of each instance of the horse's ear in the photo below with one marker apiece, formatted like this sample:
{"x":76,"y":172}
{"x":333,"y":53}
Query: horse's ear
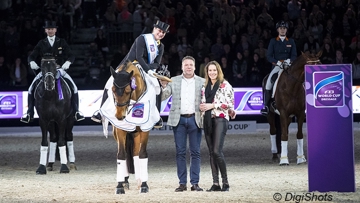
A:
{"x":319,"y":54}
{"x":302,"y":53}
{"x":112,"y":71}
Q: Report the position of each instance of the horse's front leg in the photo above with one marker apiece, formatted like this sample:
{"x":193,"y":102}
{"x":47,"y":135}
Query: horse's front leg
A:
{"x":285,"y":122}
{"x":300,"y":140}
{"x":62,"y":147}
{"x":141,"y":160}
{"x":274,"y":151}
{"x":52,"y":146}
{"x":121,"y":170}
{"x":43,"y":148}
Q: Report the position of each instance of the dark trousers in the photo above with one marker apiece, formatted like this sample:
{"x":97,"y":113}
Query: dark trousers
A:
{"x":215,"y":143}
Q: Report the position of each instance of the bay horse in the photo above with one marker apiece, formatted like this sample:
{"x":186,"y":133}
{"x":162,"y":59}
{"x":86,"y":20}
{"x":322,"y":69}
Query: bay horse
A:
{"x":289,"y":100}
{"x":53,"y":105}
{"x":129,"y":85}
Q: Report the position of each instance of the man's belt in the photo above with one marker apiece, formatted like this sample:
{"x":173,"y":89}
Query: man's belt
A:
{"x":187,"y":115}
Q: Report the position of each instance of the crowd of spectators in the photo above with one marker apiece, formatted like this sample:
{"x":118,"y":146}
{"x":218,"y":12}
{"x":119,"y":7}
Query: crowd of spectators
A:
{"x":236,"y":33}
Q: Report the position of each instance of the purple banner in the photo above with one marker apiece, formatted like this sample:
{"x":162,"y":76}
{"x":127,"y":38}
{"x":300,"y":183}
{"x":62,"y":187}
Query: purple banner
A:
{"x":10,"y":104}
{"x":329,"y":121}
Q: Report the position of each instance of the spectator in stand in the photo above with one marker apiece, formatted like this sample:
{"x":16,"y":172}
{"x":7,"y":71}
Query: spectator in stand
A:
{"x":356,"y":69}
{"x":109,"y":17}
{"x":119,"y":56}
{"x":239,"y":70}
{"x":94,"y":58}
{"x":5,"y":9}
{"x":316,"y":30}
{"x":256,"y":70}
{"x":12,"y":42}
{"x":277,"y":10}
{"x":18,"y":73}
{"x":102,"y":43}
{"x":66,"y":12}
{"x":328,"y":54}
{"x":202,"y":66}
{"x":339,"y":57}
{"x":28,"y":35}
{"x":125,"y":20}
{"x":89,"y":13}
{"x":138,"y":21}
{"x":217,"y":49}
{"x":294,"y":8}
{"x":5,"y":73}
{"x":311,"y":45}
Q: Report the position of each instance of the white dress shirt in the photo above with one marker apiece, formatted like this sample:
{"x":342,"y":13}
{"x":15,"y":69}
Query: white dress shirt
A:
{"x":187,"y":95}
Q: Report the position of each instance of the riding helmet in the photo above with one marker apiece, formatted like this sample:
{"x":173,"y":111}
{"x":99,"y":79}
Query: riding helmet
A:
{"x":282,"y":24}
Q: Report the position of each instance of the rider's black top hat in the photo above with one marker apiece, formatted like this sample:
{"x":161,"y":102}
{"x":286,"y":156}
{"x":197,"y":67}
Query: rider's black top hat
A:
{"x":50,"y":24}
{"x":162,"y":26}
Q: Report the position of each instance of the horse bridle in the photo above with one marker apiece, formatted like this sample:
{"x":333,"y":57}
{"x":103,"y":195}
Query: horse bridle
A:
{"x":302,"y":74}
{"x":123,"y":88}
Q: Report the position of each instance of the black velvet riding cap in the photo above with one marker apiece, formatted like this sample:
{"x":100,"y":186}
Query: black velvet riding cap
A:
{"x":162,"y":26}
{"x":50,"y":24}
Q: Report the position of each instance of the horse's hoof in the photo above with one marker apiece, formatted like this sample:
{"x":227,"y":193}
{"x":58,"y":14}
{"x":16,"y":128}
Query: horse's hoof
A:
{"x":275,"y":157}
{"x":301,"y":159}
{"x":41,"y":170}
{"x":120,"y":191}
{"x":284,"y":161}
{"x":144,"y":188}
{"x":50,"y":167}
{"x":72,"y":166}
{"x":64,"y":169}
{"x":126,"y":183}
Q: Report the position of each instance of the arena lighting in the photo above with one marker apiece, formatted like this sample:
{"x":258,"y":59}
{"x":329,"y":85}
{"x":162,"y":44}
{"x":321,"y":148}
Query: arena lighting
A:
{"x":248,"y":101}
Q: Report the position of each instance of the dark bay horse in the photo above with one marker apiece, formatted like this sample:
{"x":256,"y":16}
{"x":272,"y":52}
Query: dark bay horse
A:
{"x":289,"y":100}
{"x":53,"y":105}
{"x":126,"y":77}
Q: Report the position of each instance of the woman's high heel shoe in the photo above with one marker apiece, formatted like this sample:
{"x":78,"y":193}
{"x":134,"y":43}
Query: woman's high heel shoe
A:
{"x":214,"y":188}
{"x":225,"y":188}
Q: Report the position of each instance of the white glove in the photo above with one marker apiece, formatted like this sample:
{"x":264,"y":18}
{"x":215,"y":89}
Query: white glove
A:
{"x":287,"y":61}
{"x":33,"y":65}
{"x":279,"y":63}
{"x":151,"y":73}
{"x":66,"y":65}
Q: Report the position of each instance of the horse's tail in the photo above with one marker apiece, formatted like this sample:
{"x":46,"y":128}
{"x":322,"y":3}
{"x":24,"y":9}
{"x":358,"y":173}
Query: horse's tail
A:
{"x":129,"y":152}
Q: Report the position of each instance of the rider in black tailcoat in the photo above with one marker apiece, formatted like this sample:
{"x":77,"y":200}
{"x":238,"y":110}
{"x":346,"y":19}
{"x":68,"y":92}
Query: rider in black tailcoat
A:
{"x":144,"y":52}
{"x":60,"y":50}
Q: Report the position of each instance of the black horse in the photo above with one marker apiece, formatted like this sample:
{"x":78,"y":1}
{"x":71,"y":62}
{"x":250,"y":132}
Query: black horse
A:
{"x":53,"y":105}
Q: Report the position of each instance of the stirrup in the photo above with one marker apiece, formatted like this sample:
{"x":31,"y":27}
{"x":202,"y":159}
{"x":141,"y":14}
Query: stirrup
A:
{"x":26,"y":118}
{"x":96,"y":117}
{"x":265,"y":111}
{"x":79,"y":116}
{"x":273,"y":106}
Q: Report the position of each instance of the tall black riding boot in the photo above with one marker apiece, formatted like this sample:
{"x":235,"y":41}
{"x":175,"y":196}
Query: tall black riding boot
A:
{"x":29,"y":116}
{"x":97,"y":116}
{"x":75,"y":102}
{"x":267,"y":97}
{"x":158,"y":124}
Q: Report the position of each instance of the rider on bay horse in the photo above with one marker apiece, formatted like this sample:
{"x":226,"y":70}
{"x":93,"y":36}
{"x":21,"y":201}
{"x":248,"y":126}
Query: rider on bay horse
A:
{"x":281,"y":52}
{"x":60,"y":50}
{"x":147,"y":50}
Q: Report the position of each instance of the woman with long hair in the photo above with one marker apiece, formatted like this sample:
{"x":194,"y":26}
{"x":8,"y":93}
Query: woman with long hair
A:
{"x":217,"y":107}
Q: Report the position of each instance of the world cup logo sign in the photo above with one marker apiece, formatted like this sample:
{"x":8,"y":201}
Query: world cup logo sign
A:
{"x":8,"y":104}
{"x":328,"y":89}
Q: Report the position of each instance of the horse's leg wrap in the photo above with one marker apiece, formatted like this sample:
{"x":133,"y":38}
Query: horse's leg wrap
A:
{"x":43,"y":155}
{"x":63,"y":158}
{"x":300,"y":151}
{"x":121,"y":170}
{"x":273,"y":144}
{"x":70,"y":146}
{"x":52,"y":151}
{"x":284,"y":153}
{"x":143,"y":169}
{"x":137,"y":169}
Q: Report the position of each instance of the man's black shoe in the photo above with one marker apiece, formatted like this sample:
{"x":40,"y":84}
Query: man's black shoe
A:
{"x":181,"y":188}
{"x":196,"y":188}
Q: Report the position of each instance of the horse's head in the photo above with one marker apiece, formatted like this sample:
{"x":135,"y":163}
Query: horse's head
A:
{"x":312,"y":59}
{"x":48,"y":69}
{"x":122,"y":91}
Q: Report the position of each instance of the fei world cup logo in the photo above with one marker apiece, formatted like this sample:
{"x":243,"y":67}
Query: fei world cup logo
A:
{"x":328,"y":89}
